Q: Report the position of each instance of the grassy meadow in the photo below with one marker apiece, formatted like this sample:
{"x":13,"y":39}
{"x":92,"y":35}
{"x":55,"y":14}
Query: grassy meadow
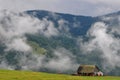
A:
{"x":28,"y":75}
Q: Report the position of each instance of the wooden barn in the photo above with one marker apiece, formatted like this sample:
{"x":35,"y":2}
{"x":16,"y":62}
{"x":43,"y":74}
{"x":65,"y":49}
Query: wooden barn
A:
{"x":89,"y":70}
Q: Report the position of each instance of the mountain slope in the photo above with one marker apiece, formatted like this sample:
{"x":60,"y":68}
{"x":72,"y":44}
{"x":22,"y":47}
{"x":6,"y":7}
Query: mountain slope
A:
{"x":56,"y":40}
{"x":78,"y":25}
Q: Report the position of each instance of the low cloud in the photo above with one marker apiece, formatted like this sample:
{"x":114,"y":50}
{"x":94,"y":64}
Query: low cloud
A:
{"x":49,"y":31}
{"x":14,"y":27}
{"x":103,"y":40}
{"x":18,"y":45}
{"x":13,"y":30}
{"x":62,"y":61}
{"x":63,"y":25}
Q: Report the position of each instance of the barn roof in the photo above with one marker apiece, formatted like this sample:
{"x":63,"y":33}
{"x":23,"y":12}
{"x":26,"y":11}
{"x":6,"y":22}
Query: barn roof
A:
{"x":87,"y":68}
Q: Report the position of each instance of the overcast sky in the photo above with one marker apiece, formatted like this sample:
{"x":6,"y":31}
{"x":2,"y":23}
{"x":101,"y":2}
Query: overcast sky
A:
{"x":78,"y":7}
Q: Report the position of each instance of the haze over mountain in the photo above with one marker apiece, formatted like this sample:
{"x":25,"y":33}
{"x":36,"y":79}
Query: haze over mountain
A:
{"x":56,"y":42}
{"x":82,"y":7}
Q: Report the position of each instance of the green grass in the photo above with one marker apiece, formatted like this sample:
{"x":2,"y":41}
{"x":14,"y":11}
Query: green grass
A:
{"x":28,"y":75}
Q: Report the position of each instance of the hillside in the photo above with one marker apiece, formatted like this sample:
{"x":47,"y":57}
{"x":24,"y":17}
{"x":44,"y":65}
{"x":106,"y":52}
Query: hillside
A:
{"x":28,"y":75}
{"x":46,"y":41}
{"x":75,"y":32}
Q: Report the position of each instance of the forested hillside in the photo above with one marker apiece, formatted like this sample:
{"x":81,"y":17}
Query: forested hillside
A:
{"x":59,"y":43}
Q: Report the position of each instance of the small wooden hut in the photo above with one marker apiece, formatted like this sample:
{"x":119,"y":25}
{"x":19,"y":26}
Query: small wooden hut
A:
{"x":89,"y":70}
